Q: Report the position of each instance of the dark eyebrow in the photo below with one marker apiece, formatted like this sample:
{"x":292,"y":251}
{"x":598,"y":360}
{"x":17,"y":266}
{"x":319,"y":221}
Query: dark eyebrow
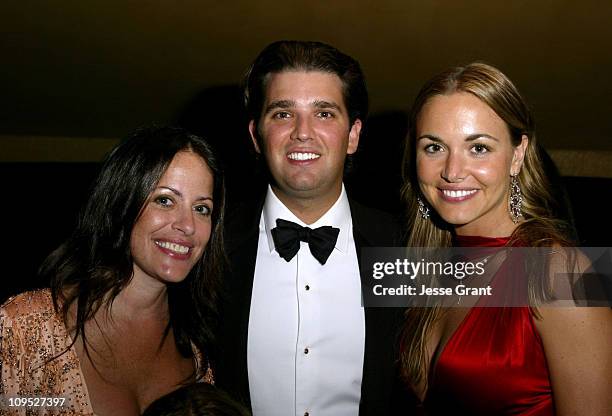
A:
{"x":326,"y":104}
{"x":180,"y":195}
{"x":430,"y":137}
{"x":284,"y":104}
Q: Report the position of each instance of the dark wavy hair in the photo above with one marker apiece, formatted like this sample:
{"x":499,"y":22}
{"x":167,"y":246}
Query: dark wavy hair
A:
{"x":199,"y":399}
{"x":95,"y":263}
{"x":295,"y":55}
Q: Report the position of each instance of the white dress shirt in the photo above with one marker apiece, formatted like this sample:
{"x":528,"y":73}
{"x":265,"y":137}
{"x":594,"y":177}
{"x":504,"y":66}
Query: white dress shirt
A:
{"x":306,"y":325}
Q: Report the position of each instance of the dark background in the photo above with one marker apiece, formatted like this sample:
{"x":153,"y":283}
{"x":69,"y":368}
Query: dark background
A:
{"x":76,"y":76}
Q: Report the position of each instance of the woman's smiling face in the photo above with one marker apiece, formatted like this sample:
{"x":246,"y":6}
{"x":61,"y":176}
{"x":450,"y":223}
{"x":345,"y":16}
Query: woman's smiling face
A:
{"x":174,"y":227}
{"x":464,"y":160}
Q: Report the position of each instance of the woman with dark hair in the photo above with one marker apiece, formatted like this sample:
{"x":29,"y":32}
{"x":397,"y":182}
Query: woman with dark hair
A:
{"x":131,"y":310}
{"x":474,"y":178}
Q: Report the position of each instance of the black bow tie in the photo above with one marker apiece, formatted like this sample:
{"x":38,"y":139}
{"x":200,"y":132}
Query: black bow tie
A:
{"x":287,"y":236}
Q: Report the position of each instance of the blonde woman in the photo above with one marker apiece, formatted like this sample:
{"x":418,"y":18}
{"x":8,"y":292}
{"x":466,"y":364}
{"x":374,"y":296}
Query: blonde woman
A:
{"x":474,"y":178}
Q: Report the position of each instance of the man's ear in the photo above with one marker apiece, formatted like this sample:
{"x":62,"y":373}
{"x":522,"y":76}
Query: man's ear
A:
{"x":354,"y":134}
{"x":519,"y":156}
{"x":253,"y":133}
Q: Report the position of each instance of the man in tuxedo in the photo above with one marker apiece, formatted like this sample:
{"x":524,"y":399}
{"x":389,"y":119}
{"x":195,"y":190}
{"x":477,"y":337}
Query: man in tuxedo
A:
{"x":296,"y":339}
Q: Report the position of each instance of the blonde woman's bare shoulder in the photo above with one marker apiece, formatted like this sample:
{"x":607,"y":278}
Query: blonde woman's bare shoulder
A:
{"x":567,"y":270}
{"x":571,"y":259}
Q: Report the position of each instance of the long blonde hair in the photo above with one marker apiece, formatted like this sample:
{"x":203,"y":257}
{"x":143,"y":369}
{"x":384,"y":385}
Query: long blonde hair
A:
{"x":541,"y":228}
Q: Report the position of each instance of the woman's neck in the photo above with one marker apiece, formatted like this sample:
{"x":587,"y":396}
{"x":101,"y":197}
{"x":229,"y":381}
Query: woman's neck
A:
{"x":500,"y":229}
{"x":141,"y":299}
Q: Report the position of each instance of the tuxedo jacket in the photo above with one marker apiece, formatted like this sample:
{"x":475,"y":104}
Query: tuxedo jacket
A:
{"x":371,"y":228}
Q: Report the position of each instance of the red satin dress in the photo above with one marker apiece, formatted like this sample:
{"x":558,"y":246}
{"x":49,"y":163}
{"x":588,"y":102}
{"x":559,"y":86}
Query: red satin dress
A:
{"x":493,"y":364}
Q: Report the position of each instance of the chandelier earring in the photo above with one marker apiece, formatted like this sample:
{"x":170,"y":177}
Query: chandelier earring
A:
{"x":423,"y":209}
{"x":515,"y":203}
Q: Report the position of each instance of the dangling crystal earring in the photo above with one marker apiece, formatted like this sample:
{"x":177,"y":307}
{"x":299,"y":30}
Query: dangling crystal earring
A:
{"x":423,"y":209}
{"x":515,"y":204}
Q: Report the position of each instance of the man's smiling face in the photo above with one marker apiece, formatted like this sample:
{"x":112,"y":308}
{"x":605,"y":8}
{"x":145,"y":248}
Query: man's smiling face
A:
{"x":305,"y":134}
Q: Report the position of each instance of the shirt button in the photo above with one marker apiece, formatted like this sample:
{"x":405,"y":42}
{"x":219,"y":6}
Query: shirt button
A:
{"x":306,"y":351}
{"x":307,"y":287}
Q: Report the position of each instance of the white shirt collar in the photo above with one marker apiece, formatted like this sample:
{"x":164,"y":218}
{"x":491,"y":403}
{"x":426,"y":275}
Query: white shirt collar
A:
{"x":339,"y":216}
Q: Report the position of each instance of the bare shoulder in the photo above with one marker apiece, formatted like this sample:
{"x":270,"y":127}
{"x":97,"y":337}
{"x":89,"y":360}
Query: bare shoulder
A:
{"x":577,"y":345}
{"x":597,"y":318}
{"x":568,"y":276}
{"x":566,"y":265}
{"x":568,"y":259}
{"x":565,"y":331}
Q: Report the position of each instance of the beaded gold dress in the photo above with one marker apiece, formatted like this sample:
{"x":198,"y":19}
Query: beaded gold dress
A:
{"x":35,"y":360}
